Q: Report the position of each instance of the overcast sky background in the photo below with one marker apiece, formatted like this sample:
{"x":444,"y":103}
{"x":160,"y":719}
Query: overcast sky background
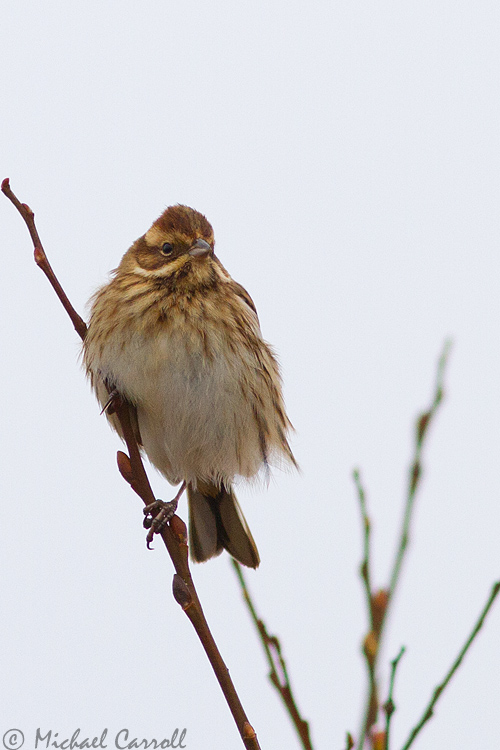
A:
{"x":347,"y":156}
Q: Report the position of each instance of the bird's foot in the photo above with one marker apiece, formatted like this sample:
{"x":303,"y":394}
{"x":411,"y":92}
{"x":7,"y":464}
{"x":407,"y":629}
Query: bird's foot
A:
{"x":156,"y":517}
{"x":158,"y":514}
{"x":112,"y":403}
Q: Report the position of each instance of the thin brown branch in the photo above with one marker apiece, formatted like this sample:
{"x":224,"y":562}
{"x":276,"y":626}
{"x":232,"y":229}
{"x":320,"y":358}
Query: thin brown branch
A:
{"x":41,"y":259}
{"x":174,"y":534}
{"x":278,"y":672}
{"x":429,"y":710}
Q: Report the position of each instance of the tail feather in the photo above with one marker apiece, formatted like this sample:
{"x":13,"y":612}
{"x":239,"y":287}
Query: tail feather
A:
{"x":216,"y":522}
{"x":203,"y":537}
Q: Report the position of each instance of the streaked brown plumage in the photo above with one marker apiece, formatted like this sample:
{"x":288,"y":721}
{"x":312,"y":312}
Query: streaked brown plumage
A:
{"x":180,"y":340}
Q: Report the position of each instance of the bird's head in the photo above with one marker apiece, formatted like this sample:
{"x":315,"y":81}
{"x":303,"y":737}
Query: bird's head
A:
{"x":181,"y":238}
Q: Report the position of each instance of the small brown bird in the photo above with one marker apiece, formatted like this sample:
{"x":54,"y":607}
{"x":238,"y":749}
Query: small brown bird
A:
{"x":174,"y":335}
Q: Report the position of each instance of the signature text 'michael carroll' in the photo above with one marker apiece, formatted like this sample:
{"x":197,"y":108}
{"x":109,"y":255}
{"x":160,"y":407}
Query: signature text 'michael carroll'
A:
{"x":123,"y":740}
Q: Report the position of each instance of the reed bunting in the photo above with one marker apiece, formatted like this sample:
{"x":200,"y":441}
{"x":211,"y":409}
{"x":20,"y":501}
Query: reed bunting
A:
{"x":175,"y":336}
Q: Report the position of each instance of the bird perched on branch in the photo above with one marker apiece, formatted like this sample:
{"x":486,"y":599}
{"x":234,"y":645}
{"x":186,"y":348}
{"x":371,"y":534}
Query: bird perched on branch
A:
{"x":175,"y":336}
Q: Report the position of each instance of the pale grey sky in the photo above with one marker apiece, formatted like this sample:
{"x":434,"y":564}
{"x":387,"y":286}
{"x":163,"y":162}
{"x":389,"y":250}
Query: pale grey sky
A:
{"x":347,"y":156}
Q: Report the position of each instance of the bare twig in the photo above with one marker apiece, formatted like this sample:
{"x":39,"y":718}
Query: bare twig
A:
{"x":389,"y":706}
{"x":278,"y":673}
{"x":370,"y":645}
{"x":379,"y":603}
{"x":174,"y":534}
{"x":437,"y":692}
{"x":422,"y":427}
{"x":376,"y":605}
{"x":366,"y":564}
{"x":41,"y":259}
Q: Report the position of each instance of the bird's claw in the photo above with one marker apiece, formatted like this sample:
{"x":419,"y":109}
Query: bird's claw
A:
{"x":156,"y":517}
{"x":112,"y":402}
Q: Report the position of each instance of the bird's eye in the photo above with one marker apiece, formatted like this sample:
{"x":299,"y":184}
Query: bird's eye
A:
{"x":167,"y":248}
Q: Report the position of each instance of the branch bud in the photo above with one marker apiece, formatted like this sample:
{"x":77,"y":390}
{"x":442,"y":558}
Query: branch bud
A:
{"x":124,"y":466}
{"x":415,"y":472}
{"x":370,"y":647}
{"x":182,"y":594}
{"x":179,"y":528}
{"x":378,"y":740}
{"x":380,"y":600}
{"x":422,"y":424}
{"x":249,"y":732}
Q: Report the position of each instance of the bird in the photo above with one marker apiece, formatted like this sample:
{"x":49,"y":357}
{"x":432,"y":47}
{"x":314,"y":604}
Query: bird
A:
{"x":177,"y":338}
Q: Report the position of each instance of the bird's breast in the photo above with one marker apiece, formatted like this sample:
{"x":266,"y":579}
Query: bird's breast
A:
{"x":196,"y":376}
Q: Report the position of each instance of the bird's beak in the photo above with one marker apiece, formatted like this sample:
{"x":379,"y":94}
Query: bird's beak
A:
{"x":199,"y":249}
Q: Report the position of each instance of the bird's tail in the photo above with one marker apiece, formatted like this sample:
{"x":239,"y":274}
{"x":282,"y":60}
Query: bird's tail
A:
{"x":216,"y":523}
